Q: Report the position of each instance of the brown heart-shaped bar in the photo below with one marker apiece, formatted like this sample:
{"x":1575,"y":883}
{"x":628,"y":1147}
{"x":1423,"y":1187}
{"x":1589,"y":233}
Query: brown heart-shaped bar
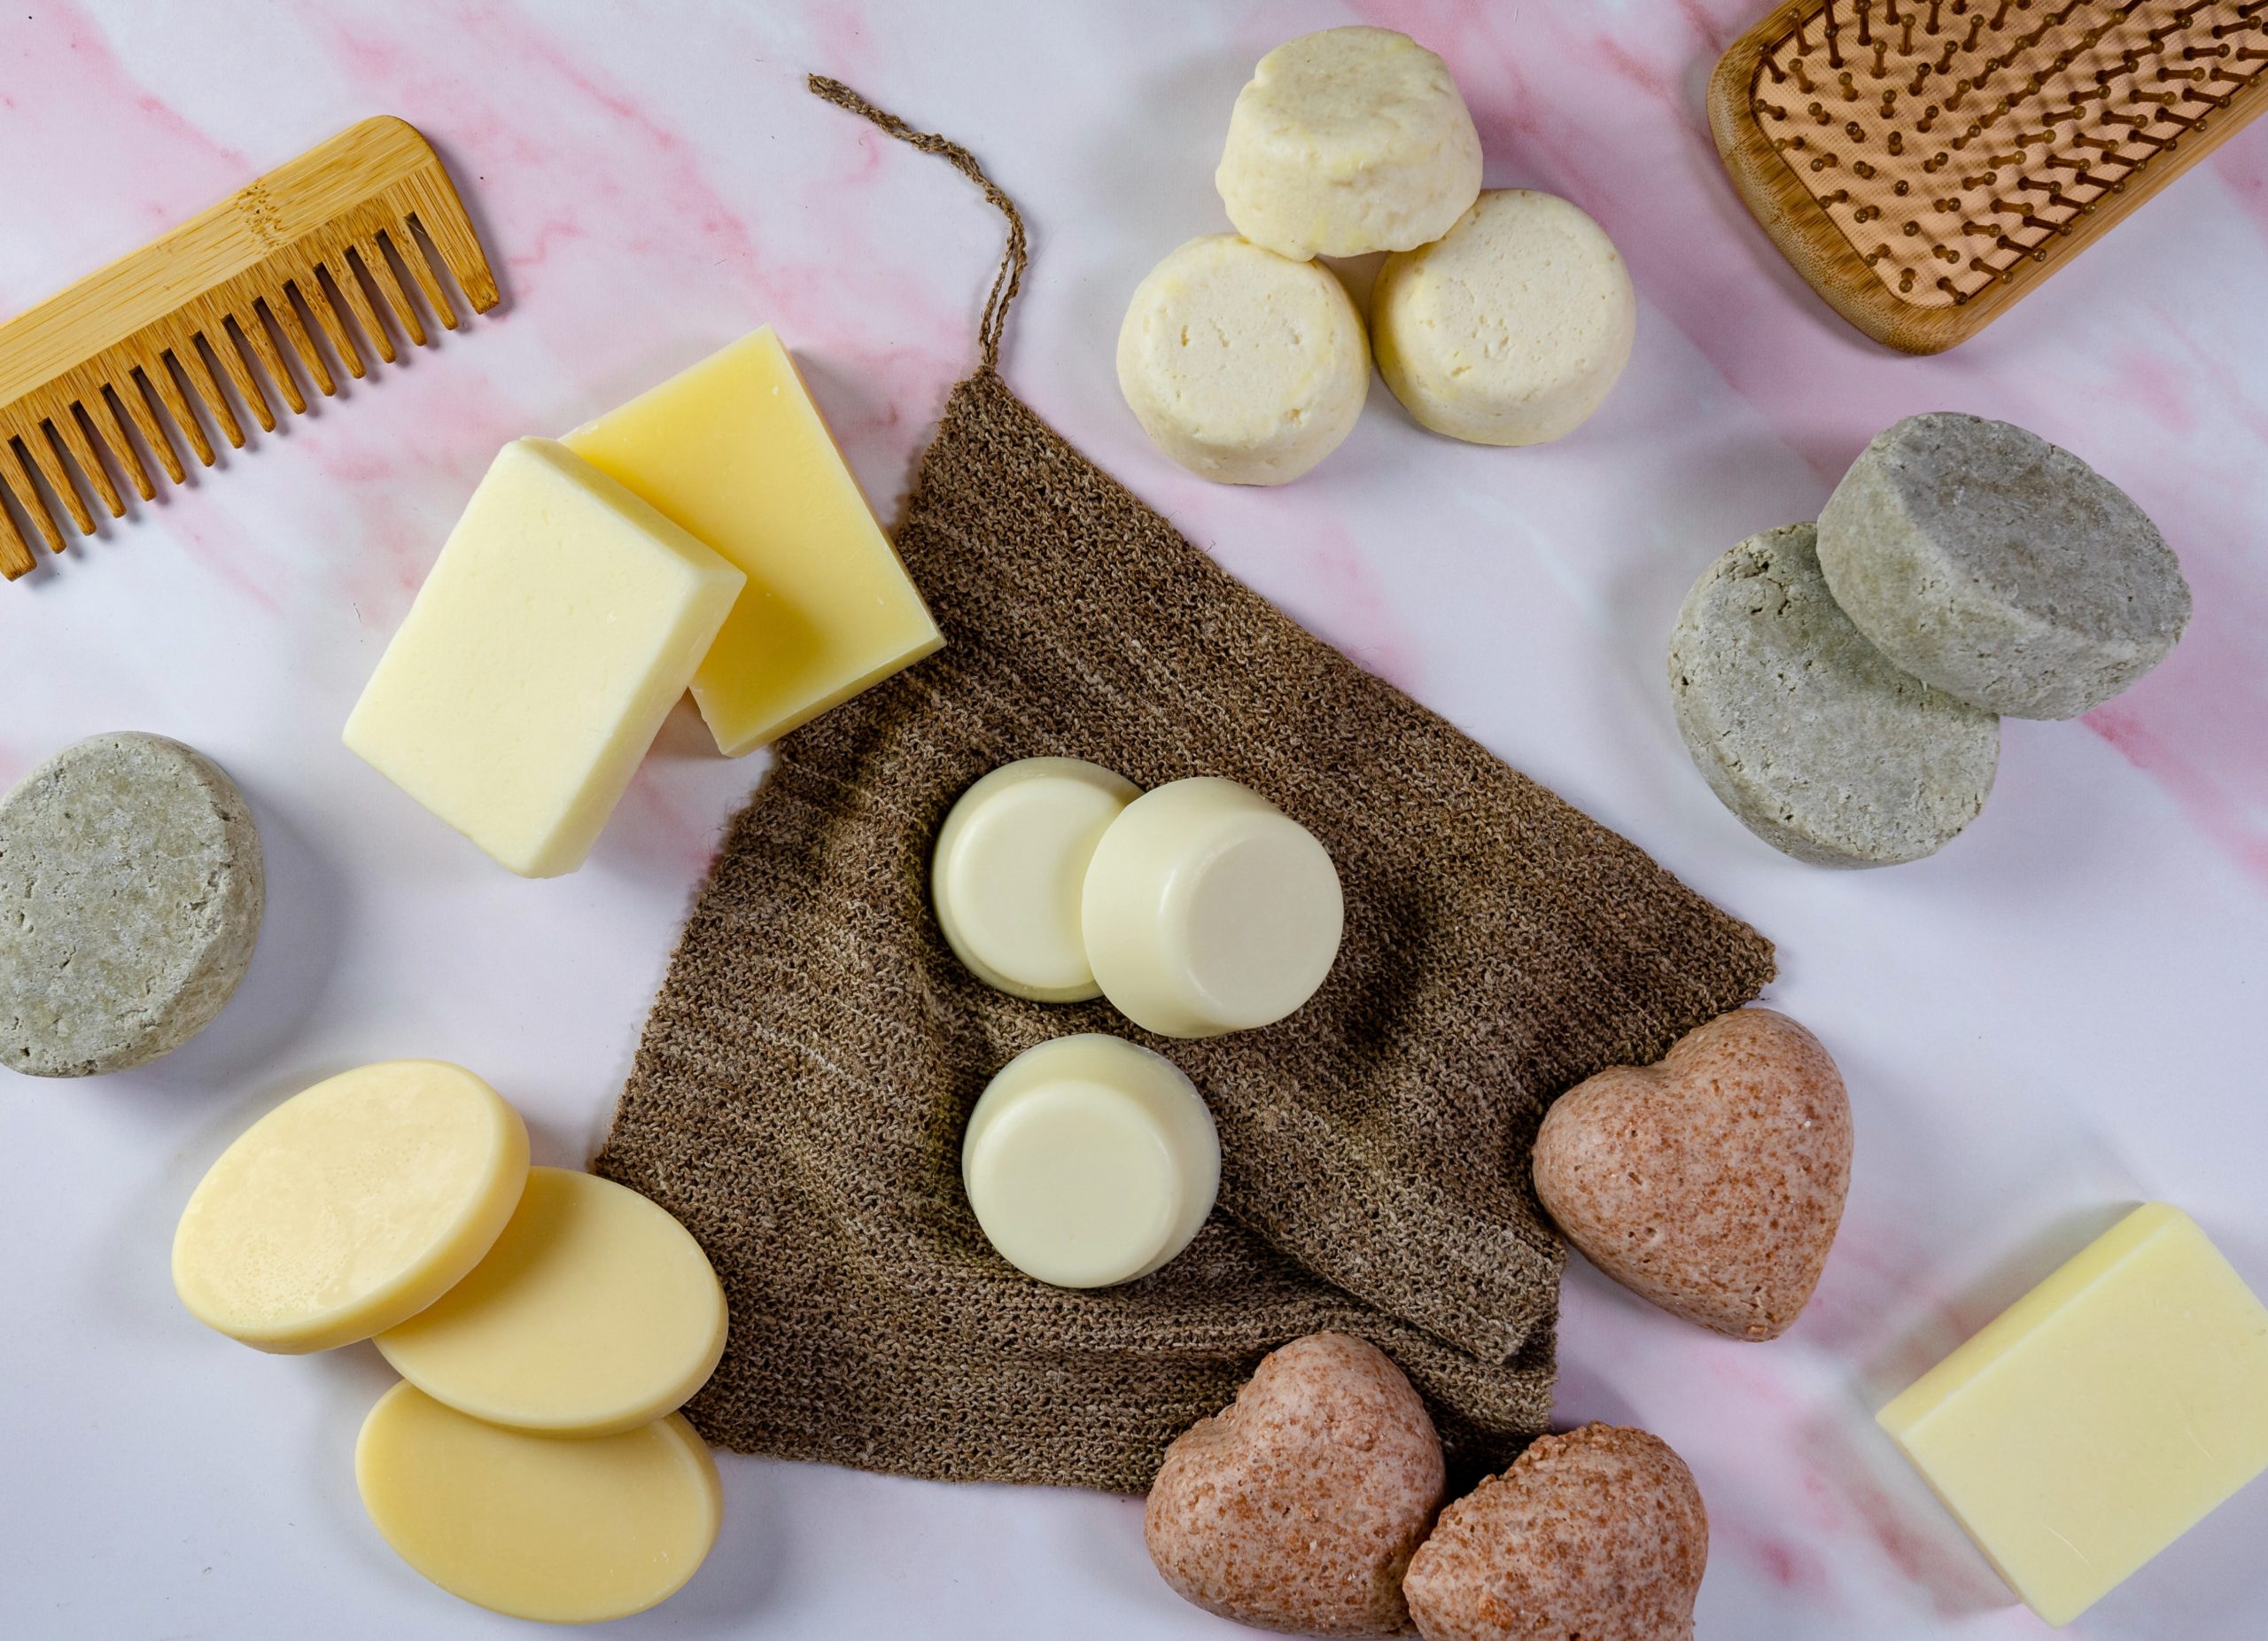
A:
{"x":1713,"y":1182}
{"x":1298,"y":1508}
{"x":1595,"y":1536}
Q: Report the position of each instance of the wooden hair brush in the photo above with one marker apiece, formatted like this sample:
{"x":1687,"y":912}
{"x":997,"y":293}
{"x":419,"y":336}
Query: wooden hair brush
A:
{"x":324,"y":240}
{"x":1924,"y":163}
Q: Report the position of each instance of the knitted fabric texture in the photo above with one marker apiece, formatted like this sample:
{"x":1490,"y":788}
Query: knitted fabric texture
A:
{"x":799,"y":1094}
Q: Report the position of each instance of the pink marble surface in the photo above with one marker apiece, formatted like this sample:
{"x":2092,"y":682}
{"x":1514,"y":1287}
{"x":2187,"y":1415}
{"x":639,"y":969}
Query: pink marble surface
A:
{"x":2055,"y":1016}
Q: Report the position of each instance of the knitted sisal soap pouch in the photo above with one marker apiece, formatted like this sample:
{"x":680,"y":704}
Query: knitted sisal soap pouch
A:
{"x":799,"y":1094}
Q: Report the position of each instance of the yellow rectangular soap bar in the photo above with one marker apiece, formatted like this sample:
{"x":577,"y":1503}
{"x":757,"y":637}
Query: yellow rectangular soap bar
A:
{"x":2100,"y":1416}
{"x":559,"y":624}
{"x":734,"y":450}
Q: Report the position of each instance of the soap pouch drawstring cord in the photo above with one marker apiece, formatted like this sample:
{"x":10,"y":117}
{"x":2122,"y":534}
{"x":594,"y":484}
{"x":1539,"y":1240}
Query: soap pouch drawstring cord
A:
{"x":1009,"y":278}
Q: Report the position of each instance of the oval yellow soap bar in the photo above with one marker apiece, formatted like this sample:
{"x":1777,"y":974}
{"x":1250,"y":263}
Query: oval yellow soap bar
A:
{"x":351,"y":1207}
{"x":563,"y":1532}
{"x":596,"y":1312}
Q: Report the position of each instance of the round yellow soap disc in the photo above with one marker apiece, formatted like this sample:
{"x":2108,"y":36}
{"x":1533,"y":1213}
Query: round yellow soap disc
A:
{"x":350,"y":1207}
{"x":596,"y":1312}
{"x":564,"y":1532}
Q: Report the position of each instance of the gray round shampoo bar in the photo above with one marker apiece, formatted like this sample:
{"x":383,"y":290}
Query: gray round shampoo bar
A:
{"x":1986,"y":560}
{"x":130,"y":895}
{"x":1822,"y":747}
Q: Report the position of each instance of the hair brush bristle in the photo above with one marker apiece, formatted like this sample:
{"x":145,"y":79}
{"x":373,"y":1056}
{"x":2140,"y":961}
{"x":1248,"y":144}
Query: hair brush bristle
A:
{"x":1952,"y":139}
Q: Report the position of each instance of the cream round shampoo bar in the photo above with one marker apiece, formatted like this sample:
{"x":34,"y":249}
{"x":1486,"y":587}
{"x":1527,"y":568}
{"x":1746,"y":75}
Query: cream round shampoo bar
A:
{"x":1207,"y":909}
{"x":533,"y":1526}
{"x":1346,"y":140}
{"x":351,"y":1207}
{"x":594,"y":1311}
{"x":1245,"y":367}
{"x":1010,"y":865}
{"x":1090,"y":1161}
{"x":1512,"y":327}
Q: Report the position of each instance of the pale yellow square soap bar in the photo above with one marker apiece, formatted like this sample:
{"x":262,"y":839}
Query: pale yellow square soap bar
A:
{"x":559,"y":624}
{"x":734,"y":450}
{"x":2100,"y":1416}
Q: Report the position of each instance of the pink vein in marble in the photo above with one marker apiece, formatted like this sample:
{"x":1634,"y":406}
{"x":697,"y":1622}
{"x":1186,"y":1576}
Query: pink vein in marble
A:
{"x":152,"y":167}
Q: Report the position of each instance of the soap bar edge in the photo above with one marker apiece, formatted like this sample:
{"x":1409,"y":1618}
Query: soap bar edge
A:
{"x":715,"y":579}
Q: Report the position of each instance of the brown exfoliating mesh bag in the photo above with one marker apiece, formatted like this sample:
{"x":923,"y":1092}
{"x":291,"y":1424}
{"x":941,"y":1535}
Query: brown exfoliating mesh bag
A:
{"x":800,"y":1093}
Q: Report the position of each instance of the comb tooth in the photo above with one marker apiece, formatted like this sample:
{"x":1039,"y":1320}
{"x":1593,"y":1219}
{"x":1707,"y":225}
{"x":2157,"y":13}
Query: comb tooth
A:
{"x":69,"y":435}
{"x":392,"y":292}
{"x":158,"y":379}
{"x":47,"y":456}
{"x":341,"y":269}
{"x":317,"y":302}
{"x":462,"y":253}
{"x":26,"y":488}
{"x":421,"y":269}
{"x":215,"y":342}
{"x":203,"y":384}
{"x":15,"y":552}
{"x":30,"y":494}
{"x":120,"y":443}
{"x":285,"y":315}
{"x":441,"y":215}
{"x":248,"y":331}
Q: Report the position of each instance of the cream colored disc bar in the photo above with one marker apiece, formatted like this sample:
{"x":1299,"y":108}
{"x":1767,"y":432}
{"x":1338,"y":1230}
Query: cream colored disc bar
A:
{"x":1010,"y":864}
{"x":564,"y":1532}
{"x":596,"y":1312}
{"x":1090,"y":1161}
{"x":351,"y":1207}
{"x":1207,"y":909}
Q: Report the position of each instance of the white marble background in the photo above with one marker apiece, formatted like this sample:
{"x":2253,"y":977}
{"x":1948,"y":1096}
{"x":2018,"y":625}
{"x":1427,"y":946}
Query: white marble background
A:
{"x":2056,"y":1016}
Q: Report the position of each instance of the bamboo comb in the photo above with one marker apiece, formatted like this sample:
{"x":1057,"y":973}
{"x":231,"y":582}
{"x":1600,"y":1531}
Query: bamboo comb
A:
{"x":1925,"y":163}
{"x":229,"y":293}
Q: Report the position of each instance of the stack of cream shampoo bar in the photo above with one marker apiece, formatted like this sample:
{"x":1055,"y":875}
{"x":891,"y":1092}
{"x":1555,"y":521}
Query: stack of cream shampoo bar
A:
{"x":547,"y":1324}
{"x":706,"y":535}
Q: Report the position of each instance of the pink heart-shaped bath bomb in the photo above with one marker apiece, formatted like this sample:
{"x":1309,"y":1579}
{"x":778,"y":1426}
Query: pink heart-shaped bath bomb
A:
{"x":1711,"y":1183}
{"x":1595,"y":1536}
{"x":1298,"y":1507}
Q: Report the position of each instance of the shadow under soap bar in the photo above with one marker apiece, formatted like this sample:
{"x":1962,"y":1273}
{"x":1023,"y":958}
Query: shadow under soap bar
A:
{"x":733,"y":450}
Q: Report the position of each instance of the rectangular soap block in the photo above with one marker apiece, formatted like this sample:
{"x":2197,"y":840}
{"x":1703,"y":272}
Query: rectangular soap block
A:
{"x":2100,"y":1416}
{"x":734,"y":450}
{"x":562,"y":620}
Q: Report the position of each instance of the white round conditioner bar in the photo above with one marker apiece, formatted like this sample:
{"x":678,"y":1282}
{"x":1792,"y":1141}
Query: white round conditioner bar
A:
{"x":1089,"y":1161}
{"x":1010,"y":865}
{"x":1207,"y":910}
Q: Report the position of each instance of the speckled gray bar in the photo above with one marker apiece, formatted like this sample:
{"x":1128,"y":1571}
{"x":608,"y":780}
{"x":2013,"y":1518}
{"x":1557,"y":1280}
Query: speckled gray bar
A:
{"x":1820,"y":746}
{"x":130,"y":896}
{"x":1986,"y":560}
